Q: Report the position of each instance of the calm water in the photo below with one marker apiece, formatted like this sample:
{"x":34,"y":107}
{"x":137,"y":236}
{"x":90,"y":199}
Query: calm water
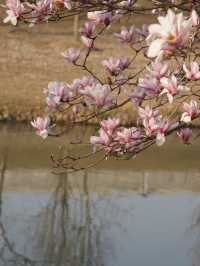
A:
{"x":140,"y":212}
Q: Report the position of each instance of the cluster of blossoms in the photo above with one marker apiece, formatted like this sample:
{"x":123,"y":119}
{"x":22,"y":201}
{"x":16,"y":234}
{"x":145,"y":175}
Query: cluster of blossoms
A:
{"x":159,"y":81}
{"x":117,"y":140}
{"x":40,"y":11}
{"x":170,"y":77}
{"x":91,"y":91}
{"x":154,"y":124}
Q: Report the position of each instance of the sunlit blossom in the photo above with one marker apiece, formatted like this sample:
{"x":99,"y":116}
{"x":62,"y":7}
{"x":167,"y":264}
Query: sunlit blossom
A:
{"x":193,"y":72}
{"x":15,"y":10}
{"x":42,"y":126}
{"x":172,"y":32}
{"x":171,"y":87}
{"x":71,"y":55}
{"x":191,"y":110}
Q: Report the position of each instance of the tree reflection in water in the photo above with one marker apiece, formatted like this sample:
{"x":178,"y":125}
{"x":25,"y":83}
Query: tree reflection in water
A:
{"x":196,"y":233}
{"x":69,"y":229}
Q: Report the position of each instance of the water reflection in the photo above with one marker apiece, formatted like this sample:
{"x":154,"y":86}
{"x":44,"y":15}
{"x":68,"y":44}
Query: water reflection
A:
{"x":73,"y":225}
{"x":63,"y":228}
{"x":66,"y":232}
{"x":107,"y":216}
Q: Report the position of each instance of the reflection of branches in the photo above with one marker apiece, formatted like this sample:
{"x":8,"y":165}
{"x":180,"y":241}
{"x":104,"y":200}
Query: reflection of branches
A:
{"x":65,"y":233}
{"x":5,"y":245}
{"x":196,"y":230}
{"x":2,"y":175}
{"x":70,"y":230}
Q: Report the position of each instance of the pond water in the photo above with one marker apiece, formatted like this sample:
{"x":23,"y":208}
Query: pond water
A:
{"x":139,"y":212}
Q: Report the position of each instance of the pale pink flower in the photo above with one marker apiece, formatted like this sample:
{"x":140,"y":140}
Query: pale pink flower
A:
{"x":56,"y":93}
{"x":163,"y":125}
{"x":41,"y":10}
{"x":172,"y":32}
{"x":193,"y":73}
{"x":71,"y":55}
{"x":110,"y":125}
{"x":88,"y":29}
{"x":73,"y":89}
{"x":171,"y":87}
{"x":42,"y":126}
{"x":147,"y":112}
{"x":154,"y":124}
{"x":115,"y":66}
{"x":100,"y":17}
{"x":126,"y":136}
{"x":87,"y":81}
{"x":89,"y":43}
{"x":137,"y":96}
{"x":98,"y":95}
{"x":195,"y":18}
{"x":149,"y":118}
{"x":191,"y":110}
{"x":15,"y":10}
{"x":160,"y":139}
{"x":185,"y":135}
{"x":151,"y":126}
{"x":158,"y":70}
{"x":126,"y":35}
{"x":150,"y":85}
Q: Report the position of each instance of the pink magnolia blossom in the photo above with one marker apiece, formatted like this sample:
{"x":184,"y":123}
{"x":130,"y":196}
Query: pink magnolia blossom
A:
{"x":172,"y":32}
{"x":100,"y":17}
{"x":126,"y":35}
{"x":89,"y":43}
{"x":110,"y":125}
{"x":88,"y":29}
{"x":185,"y":135}
{"x":195,"y":18}
{"x":127,"y":135}
{"x":15,"y":10}
{"x":163,"y":125}
{"x":171,"y":87}
{"x":42,"y":126}
{"x":71,"y":55}
{"x":73,"y":89}
{"x":193,"y":73}
{"x":191,"y":110}
{"x":56,"y":94}
{"x":116,"y":66}
{"x":154,"y":124}
{"x":147,"y":112}
{"x":98,"y":95}
{"x":41,"y":10}
{"x":158,"y":70}
{"x":137,"y":96}
{"x":150,"y":85}
{"x":116,"y":140}
{"x":87,"y":81}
